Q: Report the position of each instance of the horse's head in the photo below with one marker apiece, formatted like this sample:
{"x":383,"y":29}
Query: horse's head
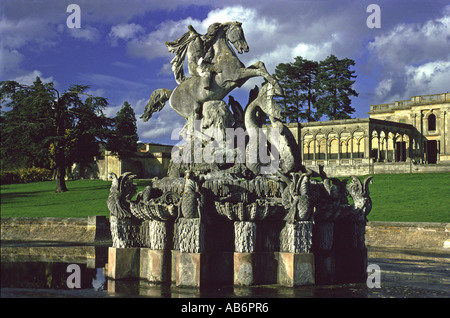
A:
{"x":235,"y":35}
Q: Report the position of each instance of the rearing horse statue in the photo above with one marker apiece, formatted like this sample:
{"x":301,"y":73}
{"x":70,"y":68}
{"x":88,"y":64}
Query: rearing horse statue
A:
{"x":226,"y":71}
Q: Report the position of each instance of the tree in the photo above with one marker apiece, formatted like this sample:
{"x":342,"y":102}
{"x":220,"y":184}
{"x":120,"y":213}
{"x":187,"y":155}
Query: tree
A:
{"x":40,"y":118}
{"x":124,"y":138}
{"x":27,"y":126}
{"x":297,"y":80}
{"x":334,"y":85}
{"x":89,"y":129}
{"x":290,"y":103}
{"x":316,"y":89}
{"x":307,"y":72}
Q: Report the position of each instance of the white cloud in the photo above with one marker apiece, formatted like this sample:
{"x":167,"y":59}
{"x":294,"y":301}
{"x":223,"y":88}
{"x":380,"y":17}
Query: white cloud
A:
{"x":256,"y":27}
{"x":18,"y":33}
{"x":414,"y":58}
{"x":86,"y":32}
{"x":124,"y":31}
{"x":152,"y":45}
{"x":429,"y":78}
{"x":11,"y":61}
{"x":29,"y":78}
{"x":383,"y":88}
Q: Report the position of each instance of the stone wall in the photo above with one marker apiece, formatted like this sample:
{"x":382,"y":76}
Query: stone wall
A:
{"x":417,"y":235}
{"x":88,"y":230}
{"x":84,"y":230}
{"x":361,"y":167}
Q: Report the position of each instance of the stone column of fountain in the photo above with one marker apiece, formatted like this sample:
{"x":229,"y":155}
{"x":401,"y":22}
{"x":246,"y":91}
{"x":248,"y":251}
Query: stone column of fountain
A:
{"x":296,"y":261}
{"x":189,"y":259}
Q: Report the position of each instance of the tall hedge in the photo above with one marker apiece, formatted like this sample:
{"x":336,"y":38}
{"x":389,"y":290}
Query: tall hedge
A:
{"x":25,"y":175}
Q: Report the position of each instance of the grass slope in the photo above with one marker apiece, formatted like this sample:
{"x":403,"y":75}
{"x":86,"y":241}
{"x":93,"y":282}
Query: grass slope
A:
{"x":410,"y":197}
{"x":395,"y":197}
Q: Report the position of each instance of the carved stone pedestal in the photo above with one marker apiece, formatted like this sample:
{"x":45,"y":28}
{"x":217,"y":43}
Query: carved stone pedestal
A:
{"x":202,"y":269}
{"x":244,"y":257}
{"x":190,"y":269}
{"x":189,"y":262}
{"x":296,"y":237}
{"x":191,"y":236}
{"x":155,"y":265}
{"x":295,"y":262}
{"x":159,"y":235}
{"x":296,"y":269}
{"x":245,"y":269}
{"x":244,"y":236}
{"x":123,"y":262}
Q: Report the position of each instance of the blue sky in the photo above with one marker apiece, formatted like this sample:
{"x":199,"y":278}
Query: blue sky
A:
{"x":119,"y":49}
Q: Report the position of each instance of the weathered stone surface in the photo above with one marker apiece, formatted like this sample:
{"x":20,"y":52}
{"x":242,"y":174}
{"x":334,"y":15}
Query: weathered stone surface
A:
{"x":123,"y":262}
{"x":126,"y":232}
{"x":158,"y":235}
{"x":297,"y":237}
{"x":190,"y":235}
{"x":244,"y":237}
{"x":190,"y":267}
{"x":155,"y":265}
{"x":250,"y":188}
{"x":296,"y":269}
{"x":90,"y":229}
{"x":408,"y":234}
{"x":244,"y":269}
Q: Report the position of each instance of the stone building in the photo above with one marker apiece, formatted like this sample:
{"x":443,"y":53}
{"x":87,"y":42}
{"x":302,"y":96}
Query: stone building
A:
{"x":397,"y":137}
{"x":151,"y":160}
{"x":428,"y":116}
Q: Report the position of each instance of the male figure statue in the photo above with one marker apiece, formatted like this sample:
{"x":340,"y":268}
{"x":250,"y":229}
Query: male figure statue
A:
{"x":199,"y":51}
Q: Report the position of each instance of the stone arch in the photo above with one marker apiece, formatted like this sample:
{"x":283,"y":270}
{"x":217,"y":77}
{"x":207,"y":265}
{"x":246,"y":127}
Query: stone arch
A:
{"x":375,"y":150}
{"x":358,"y":143}
{"x":333,"y":145}
{"x":345,"y":144}
{"x":308,"y":146}
{"x":431,"y":122}
{"x":390,"y":155}
{"x":321,"y":145}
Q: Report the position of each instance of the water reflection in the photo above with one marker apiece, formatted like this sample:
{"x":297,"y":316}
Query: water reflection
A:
{"x":43,"y":266}
{"x":43,"y":269}
{"x":48,"y":275}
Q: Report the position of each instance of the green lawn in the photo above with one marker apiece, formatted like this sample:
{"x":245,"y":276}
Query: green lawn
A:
{"x":396,"y":197}
{"x":410,"y":197}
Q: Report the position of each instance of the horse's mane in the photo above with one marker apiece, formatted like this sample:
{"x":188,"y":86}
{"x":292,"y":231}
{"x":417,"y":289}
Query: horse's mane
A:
{"x":180,"y":46}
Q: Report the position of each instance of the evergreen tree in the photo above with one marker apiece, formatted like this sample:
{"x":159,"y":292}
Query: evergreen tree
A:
{"x":290,"y":103}
{"x":334,"y":84}
{"x":297,"y":80}
{"x":124,"y":138}
{"x":307,"y":72}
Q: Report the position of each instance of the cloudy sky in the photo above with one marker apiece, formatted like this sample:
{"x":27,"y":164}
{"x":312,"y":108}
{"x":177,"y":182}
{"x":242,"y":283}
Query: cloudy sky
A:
{"x":119,"y":49}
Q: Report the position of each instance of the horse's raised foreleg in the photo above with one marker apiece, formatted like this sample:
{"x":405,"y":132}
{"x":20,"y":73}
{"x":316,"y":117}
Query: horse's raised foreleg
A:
{"x":259,"y":69}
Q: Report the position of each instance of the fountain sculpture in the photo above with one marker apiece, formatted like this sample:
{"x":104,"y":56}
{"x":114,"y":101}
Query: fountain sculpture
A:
{"x":236,"y":207}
